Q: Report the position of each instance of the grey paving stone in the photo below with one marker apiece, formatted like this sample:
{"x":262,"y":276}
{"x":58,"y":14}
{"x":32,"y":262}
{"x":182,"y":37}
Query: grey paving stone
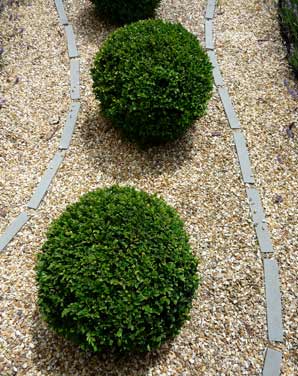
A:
{"x":210,"y":9}
{"x":228,"y":107}
{"x":259,"y":220}
{"x":71,"y":42}
{"x":216,"y":70}
{"x":209,"y":35}
{"x":46,"y":180}
{"x":272,"y":364}
{"x":243,"y":157}
{"x":75,"y":79}
{"x":273,"y":301}
{"x":69,"y":126}
{"x":61,"y":12}
{"x":13,"y":229}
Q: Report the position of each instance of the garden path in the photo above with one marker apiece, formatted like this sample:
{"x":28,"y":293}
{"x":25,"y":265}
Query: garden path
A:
{"x":199,"y":175}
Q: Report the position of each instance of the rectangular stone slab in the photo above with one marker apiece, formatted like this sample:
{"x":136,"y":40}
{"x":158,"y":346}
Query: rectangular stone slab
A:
{"x":61,"y":12}
{"x":273,"y":301}
{"x":71,"y":42}
{"x":75,"y":79}
{"x":216,"y":70}
{"x":243,"y":157}
{"x":69,"y":126}
{"x":46,"y":180}
{"x":14,"y":227}
{"x":259,"y":220}
{"x":210,"y":9}
{"x":209,"y":35}
{"x":228,"y":107}
{"x":272,"y":364}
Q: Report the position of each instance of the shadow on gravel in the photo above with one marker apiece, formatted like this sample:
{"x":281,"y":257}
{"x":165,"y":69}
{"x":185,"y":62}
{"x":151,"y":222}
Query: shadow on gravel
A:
{"x":52,"y":355}
{"x":90,"y":27}
{"x":112,"y":154}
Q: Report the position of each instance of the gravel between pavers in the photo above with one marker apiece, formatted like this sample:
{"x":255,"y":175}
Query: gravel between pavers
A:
{"x":198,"y":175}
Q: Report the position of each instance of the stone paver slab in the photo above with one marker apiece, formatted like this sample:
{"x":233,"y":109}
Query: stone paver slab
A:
{"x":61,"y":12}
{"x":69,"y":126}
{"x":14,"y":227}
{"x":46,"y":180}
{"x":272,"y":364}
{"x":259,"y":220}
{"x":209,"y":35}
{"x":75,"y":79}
{"x":210,"y":9}
{"x":228,"y":107}
{"x":71,"y":42}
{"x":216,"y":70}
{"x":243,"y":157}
{"x":273,"y":301}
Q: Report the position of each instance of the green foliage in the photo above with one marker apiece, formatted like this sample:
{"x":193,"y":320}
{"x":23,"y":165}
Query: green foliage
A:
{"x":288,"y":12}
{"x":116,"y":272}
{"x":153,"y":80}
{"x":120,"y":12}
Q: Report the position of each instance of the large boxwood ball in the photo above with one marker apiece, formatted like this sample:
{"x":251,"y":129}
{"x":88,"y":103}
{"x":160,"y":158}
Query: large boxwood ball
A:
{"x":116,"y":272}
{"x":153,"y":80}
{"x":120,"y":12}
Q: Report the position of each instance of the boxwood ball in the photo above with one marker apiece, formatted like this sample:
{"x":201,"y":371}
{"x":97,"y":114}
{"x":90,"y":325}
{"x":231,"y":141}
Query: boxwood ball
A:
{"x":153,"y":80}
{"x":121,"y":11}
{"x":116,"y":272}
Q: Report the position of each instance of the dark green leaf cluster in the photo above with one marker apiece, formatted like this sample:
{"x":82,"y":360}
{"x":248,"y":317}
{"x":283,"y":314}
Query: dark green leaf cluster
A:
{"x":116,"y":272}
{"x":121,"y":12}
{"x":153,"y":80}
{"x":288,"y":12}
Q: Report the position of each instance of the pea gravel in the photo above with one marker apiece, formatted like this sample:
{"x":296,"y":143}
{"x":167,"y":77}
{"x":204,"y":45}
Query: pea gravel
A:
{"x":198,"y":175}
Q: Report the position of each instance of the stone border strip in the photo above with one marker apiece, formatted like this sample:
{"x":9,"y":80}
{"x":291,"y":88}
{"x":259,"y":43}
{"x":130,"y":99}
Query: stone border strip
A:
{"x":69,"y":126}
{"x":46,"y":180}
{"x":209,"y":34}
{"x":75,"y":79}
{"x":228,"y":107}
{"x":272,"y":363}
{"x":210,"y":9}
{"x":259,"y":220}
{"x":242,"y":152}
{"x":71,"y":42}
{"x":216,"y":71}
{"x":273,"y":299}
{"x":16,"y":225}
{"x":61,"y":12}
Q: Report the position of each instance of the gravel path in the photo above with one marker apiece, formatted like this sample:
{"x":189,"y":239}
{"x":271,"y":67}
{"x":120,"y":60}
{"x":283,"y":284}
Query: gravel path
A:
{"x":266,"y":110}
{"x":198,"y":175}
{"x":34,"y":85}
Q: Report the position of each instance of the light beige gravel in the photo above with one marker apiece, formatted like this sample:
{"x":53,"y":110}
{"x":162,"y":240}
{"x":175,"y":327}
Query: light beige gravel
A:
{"x":198,"y":175}
{"x":254,"y":65}
{"x":35,"y":107}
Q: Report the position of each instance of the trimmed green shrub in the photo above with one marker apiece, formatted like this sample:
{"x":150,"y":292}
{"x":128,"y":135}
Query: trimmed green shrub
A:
{"x":153,"y":80}
{"x":116,"y":272}
{"x":288,"y":14}
{"x":120,"y":12}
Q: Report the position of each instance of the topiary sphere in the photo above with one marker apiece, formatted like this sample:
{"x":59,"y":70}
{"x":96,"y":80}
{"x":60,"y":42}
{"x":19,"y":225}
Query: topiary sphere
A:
{"x":116,"y":272}
{"x":153,"y":80}
{"x":120,"y":12}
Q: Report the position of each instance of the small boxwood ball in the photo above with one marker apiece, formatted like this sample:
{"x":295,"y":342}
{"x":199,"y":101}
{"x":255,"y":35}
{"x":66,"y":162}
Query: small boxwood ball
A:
{"x":153,"y":80}
{"x":116,"y":272}
{"x":121,"y":12}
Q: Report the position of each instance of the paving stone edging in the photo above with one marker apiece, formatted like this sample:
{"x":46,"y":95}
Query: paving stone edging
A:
{"x":273,"y":358}
{"x":17,"y":224}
